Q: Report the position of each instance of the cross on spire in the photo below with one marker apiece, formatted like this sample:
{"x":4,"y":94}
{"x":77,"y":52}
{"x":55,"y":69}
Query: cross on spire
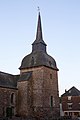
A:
{"x":38,"y":9}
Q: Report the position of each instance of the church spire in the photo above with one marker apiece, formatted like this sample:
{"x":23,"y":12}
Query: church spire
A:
{"x":39,"y":44}
{"x":39,"y":29}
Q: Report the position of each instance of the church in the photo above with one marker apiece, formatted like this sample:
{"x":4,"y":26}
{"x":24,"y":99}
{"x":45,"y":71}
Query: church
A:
{"x":34,"y":92}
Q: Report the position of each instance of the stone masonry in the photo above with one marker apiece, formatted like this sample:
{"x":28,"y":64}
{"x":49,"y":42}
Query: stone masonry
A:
{"x":38,"y":90}
{"x":35,"y":91}
{"x":5,"y":100}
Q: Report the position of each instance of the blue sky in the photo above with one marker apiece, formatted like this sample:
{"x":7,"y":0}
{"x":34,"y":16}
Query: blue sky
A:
{"x":61,"y":32}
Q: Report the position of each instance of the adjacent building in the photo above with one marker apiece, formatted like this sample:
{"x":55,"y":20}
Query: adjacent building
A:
{"x":70,"y":102}
{"x":35,"y":91}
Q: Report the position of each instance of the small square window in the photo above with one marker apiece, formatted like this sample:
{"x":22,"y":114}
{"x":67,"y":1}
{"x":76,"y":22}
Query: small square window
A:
{"x":69,"y":91}
{"x":69,"y":97}
{"x":69,"y":105}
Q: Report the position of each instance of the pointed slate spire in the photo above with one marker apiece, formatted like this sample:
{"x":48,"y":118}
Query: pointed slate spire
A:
{"x":39,"y":44}
{"x":38,"y":56}
{"x":39,"y":29}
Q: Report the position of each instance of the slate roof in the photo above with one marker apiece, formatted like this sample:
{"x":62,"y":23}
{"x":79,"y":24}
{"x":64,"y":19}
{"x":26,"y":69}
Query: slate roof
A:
{"x":36,"y":59}
{"x":8,"y":80}
{"x":38,"y":56}
{"x":72,"y":92}
{"x":25,"y":76}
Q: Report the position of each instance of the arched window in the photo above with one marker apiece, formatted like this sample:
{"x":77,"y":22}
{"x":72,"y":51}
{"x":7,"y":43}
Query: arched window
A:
{"x":50,"y":76}
{"x":12,"y":98}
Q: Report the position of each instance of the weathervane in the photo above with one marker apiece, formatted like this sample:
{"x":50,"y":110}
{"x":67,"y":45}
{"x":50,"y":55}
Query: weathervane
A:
{"x":38,"y":9}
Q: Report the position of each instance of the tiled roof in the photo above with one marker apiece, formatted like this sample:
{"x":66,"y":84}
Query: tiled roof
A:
{"x":8,"y":80}
{"x":25,"y":76}
{"x":72,"y":92}
{"x":38,"y":56}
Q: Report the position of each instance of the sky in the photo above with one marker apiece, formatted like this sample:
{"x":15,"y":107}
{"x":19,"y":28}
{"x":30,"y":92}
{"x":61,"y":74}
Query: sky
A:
{"x":61,"y":32}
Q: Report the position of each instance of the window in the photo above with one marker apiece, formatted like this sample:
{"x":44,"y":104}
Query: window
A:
{"x":69,"y":91}
{"x":69,"y":97}
{"x":51,"y":101}
{"x":66,"y":113}
{"x":70,"y":113}
{"x":12,"y":98}
{"x":69,"y":105}
{"x":50,"y":76}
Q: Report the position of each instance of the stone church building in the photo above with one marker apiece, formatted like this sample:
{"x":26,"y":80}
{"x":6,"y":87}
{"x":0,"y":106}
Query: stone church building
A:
{"x":35,"y":91}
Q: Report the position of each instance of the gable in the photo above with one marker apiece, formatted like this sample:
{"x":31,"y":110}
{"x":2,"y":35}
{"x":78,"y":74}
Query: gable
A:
{"x":72,"y":92}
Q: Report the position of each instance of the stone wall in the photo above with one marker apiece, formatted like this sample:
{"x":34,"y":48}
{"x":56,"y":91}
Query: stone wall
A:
{"x":44,"y":84}
{"x":5,"y":100}
{"x":24,"y":98}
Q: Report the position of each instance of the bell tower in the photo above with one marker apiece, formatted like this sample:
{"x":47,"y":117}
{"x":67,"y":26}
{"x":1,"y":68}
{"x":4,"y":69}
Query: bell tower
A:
{"x":38,"y":93}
